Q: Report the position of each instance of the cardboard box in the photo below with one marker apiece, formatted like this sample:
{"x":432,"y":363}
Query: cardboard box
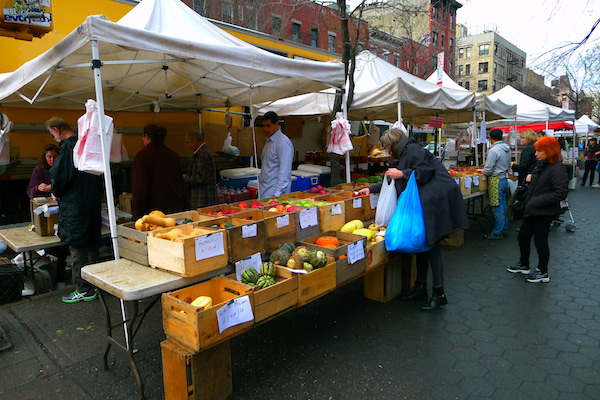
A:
{"x":192,"y":256}
{"x":197,"y":328}
{"x":43,"y":225}
{"x":244,"y":237}
{"x":313,"y":284}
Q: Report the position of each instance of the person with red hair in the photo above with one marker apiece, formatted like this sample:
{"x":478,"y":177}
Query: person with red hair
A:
{"x":548,"y":186}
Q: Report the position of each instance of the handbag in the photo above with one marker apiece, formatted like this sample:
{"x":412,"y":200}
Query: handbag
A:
{"x":516,"y":204}
{"x":406,"y":231}
{"x":386,"y":204}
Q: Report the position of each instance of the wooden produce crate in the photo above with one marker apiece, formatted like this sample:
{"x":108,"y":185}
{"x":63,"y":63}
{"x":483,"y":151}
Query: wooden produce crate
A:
{"x":248,"y":204}
{"x":457,"y":239}
{"x":332,"y":214}
{"x":397,"y":276}
{"x":313,"y":284}
{"x":125,"y":201}
{"x":297,"y":195}
{"x":483,"y":182}
{"x":217,"y":211}
{"x":244,"y":238}
{"x":133,"y":244}
{"x":197,"y":328}
{"x":376,"y":254}
{"x":191,"y":215}
{"x":190,"y":375}
{"x":43,"y":226}
{"x":344,"y":270}
{"x":307,"y":223}
{"x":273,"y":299}
{"x":193,"y":256}
{"x":353,"y":206}
{"x":279,"y":227}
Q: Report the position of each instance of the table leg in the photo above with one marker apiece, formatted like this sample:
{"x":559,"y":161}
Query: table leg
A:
{"x":29,"y":254}
{"x":109,"y":328}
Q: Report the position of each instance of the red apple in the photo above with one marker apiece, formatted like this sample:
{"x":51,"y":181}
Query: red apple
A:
{"x":319,"y":187}
{"x":243,"y":204}
{"x":272,"y":202}
{"x":322,"y":191}
{"x":273,"y":209}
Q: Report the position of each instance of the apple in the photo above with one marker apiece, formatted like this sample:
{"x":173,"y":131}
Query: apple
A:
{"x":255,"y":204}
{"x":272,"y":202}
{"x":313,"y":190}
{"x":273,"y":209}
{"x":322,"y":191}
{"x":319,"y":187}
{"x":243,"y":204}
{"x":280,"y":207}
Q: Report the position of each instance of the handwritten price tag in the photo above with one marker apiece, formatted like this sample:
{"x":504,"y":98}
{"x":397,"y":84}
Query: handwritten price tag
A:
{"x":253,"y":261}
{"x":336,"y":209}
{"x":468,"y":181}
{"x":373,"y":198}
{"x":249,"y":231}
{"x":357,"y":202}
{"x":209,"y":246}
{"x":235,"y":312}
{"x":308,"y":217}
{"x":476,"y":180}
{"x":283,"y":220}
{"x":356,"y":252}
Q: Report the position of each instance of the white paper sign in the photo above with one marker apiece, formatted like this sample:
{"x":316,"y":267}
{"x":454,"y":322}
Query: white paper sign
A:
{"x":283,"y":220}
{"x":356,"y":252}
{"x":253,"y":261}
{"x":336,"y":209}
{"x":357,"y":202}
{"x":235,"y":312}
{"x":249,"y":231}
{"x":209,"y":246}
{"x":374,"y":198}
{"x":475,"y":180}
{"x":457,"y":180}
{"x":468,"y":181}
{"x":308,"y":217}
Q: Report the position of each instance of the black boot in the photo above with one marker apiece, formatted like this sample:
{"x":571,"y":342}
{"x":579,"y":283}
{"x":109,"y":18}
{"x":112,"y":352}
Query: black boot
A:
{"x":438,"y":299}
{"x":418,"y":292}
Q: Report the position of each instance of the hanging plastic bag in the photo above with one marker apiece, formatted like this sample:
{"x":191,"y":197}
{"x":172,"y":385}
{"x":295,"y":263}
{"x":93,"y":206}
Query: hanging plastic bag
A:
{"x":228,"y":147}
{"x":87,"y":153}
{"x":118,"y":152}
{"x":386,"y":203}
{"x":406,"y":231}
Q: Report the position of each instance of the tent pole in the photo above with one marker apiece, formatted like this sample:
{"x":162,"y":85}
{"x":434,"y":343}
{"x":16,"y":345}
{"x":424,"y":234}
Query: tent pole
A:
{"x":475,"y":134}
{"x":347,"y":155}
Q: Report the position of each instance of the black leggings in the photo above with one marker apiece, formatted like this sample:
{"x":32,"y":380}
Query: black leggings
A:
{"x":538,"y":227}
{"x":589,"y":168}
{"x":432,"y":257}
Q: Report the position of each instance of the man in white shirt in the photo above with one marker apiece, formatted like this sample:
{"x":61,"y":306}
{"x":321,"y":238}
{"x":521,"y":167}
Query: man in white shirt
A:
{"x":276,"y":159}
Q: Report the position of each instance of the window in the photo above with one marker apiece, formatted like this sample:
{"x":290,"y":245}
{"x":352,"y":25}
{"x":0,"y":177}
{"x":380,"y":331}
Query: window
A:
{"x":461,"y":52}
{"x":314,"y":37}
{"x":495,"y":68}
{"x":331,"y":41}
{"x":451,"y":66}
{"x":482,"y":85}
{"x":452,"y":44}
{"x":296,"y":31}
{"x":483,"y":67}
{"x":406,"y":65}
{"x":467,"y":85}
{"x":252,"y":17}
{"x":468,"y":52}
{"x":241,"y":13}
{"x":360,"y":46}
{"x":227,"y":12}
{"x":434,"y":36}
{"x":396,"y":60}
{"x":461,"y":70}
{"x":199,"y":6}
{"x":415,"y":70}
{"x":460,"y":84}
{"x":276,"y":29}
{"x":436,"y":12}
{"x":467,"y":69}
{"x":484,"y":49}
{"x":443,"y":36}
{"x":494,"y":85}
{"x":495,"y":48}
{"x":386,"y":56}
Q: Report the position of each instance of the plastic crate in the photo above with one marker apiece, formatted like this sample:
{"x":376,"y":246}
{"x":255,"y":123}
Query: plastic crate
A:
{"x":11,"y":281}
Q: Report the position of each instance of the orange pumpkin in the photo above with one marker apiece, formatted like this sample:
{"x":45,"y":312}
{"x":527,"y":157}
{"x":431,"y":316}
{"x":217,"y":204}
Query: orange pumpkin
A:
{"x":325,"y":241}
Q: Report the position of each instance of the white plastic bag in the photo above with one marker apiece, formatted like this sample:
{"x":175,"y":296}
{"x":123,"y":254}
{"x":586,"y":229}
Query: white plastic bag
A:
{"x":118,"y":152}
{"x":386,"y":203}
{"x":87,"y":153}
{"x":228,"y":147}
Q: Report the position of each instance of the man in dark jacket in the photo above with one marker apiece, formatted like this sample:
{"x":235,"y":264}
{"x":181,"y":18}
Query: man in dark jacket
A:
{"x":202,"y":176}
{"x":79,"y":220}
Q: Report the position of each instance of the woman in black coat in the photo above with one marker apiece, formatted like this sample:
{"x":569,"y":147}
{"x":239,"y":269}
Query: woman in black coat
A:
{"x":548,"y":186}
{"x":528,"y":160}
{"x":443,"y":208}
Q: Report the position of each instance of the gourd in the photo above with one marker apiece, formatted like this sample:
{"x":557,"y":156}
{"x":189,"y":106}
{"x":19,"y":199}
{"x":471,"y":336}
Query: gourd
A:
{"x":288,"y":246}
{"x":327,"y":241}
{"x":202,"y":302}
{"x":267,"y":268}
{"x":162,"y":221}
{"x":249,"y":276}
{"x":317,"y":258}
{"x":301,"y":252}
{"x":280,"y":257}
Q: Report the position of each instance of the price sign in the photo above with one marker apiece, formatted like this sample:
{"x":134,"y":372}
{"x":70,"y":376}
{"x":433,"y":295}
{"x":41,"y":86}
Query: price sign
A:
{"x":308,"y":217}
{"x":373,"y":198}
{"x":209,"y":246}
{"x":253,"y":261}
{"x":235,"y":312}
{"x":283,"y":220}
{"x":336,"y":209}
{"x":249,"y":231}
{"x":468,"y":182}
{"x":356,"y":252}
{"x":476,"y":180}
{"x":357,"y":202}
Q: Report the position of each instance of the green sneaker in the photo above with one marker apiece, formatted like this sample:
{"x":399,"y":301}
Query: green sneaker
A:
{"x":76,"y":297}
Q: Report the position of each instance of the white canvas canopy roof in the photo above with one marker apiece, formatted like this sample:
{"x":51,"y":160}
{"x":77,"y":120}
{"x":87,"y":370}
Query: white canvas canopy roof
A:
{"x":164,"y":53}
{"x":529,"y":110}
{"x":381,"y":92}
{"x":494,"y":109}
{"x":584,"y":119}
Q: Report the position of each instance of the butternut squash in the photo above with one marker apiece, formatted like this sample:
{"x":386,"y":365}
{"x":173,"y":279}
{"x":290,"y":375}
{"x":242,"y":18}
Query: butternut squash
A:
{"x":162,"y":221}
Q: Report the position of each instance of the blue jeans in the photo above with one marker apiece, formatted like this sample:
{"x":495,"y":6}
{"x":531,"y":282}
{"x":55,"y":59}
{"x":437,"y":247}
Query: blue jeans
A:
{"x":500,"y":221}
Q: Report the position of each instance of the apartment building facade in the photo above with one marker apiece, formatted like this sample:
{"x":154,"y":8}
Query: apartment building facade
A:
{"x":487,"y":62}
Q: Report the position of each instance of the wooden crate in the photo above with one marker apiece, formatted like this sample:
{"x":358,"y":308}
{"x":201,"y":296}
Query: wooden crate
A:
{"x":298,"y":196}
{"x":354,"y":206}
{"x":343,"y":238}
{"x":386,"y":283}
{"x":314,"y":284}
{"x":244,"y":238}
{"x":196,"y":328}
{"x":457,"y":239}
{"x":273,"y":299}
{"x":217,"y":211}
{"x":332,"y":215}
{"x":345,"y":271}
{"x":133,"y":244}
{"x":376,"y":254}
{"x":189,"y":257}
{"x":279,"y":227}
{"x":43,"y":226}
{"x":307,"y":229}
{"x":483,"y":182}
{"x":191,"y":215}
{"x":125,"y":201}
{"x":188,"y":375}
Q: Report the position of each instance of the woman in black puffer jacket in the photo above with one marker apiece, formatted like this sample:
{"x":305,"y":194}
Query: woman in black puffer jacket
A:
{"x":528,"y":160}
{"x":548,"y":186}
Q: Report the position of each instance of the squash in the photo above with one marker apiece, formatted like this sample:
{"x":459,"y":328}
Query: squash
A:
{"x":280,"y":257}
{"x":326,"y":241}
{"x":317,"y":258}
{"x":301,"y":252}
{"x":158,"y":213}
{"x":154,"y":220}
{"x":288,"y":246}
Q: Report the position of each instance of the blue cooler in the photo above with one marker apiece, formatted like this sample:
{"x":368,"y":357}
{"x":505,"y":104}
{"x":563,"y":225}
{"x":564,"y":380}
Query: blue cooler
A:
{"x":323,"y":171}
{"x":304,"y":180}
{"x":238,"y":178}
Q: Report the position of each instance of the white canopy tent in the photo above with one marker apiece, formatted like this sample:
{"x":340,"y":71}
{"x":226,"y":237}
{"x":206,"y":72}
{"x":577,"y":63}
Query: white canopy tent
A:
{"x":161,"y":55}
{"x":383,"y":91}
{"x":585,"y":120}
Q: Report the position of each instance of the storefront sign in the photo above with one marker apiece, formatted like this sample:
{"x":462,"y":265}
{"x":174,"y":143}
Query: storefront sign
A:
{"x":24,"y":19}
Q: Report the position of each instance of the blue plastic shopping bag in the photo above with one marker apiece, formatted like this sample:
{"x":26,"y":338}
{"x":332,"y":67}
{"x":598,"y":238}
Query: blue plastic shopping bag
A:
{"x":406,"y":231}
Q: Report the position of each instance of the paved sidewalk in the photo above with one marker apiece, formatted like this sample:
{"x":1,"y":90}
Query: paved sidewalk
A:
{"x":498,"y":338}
